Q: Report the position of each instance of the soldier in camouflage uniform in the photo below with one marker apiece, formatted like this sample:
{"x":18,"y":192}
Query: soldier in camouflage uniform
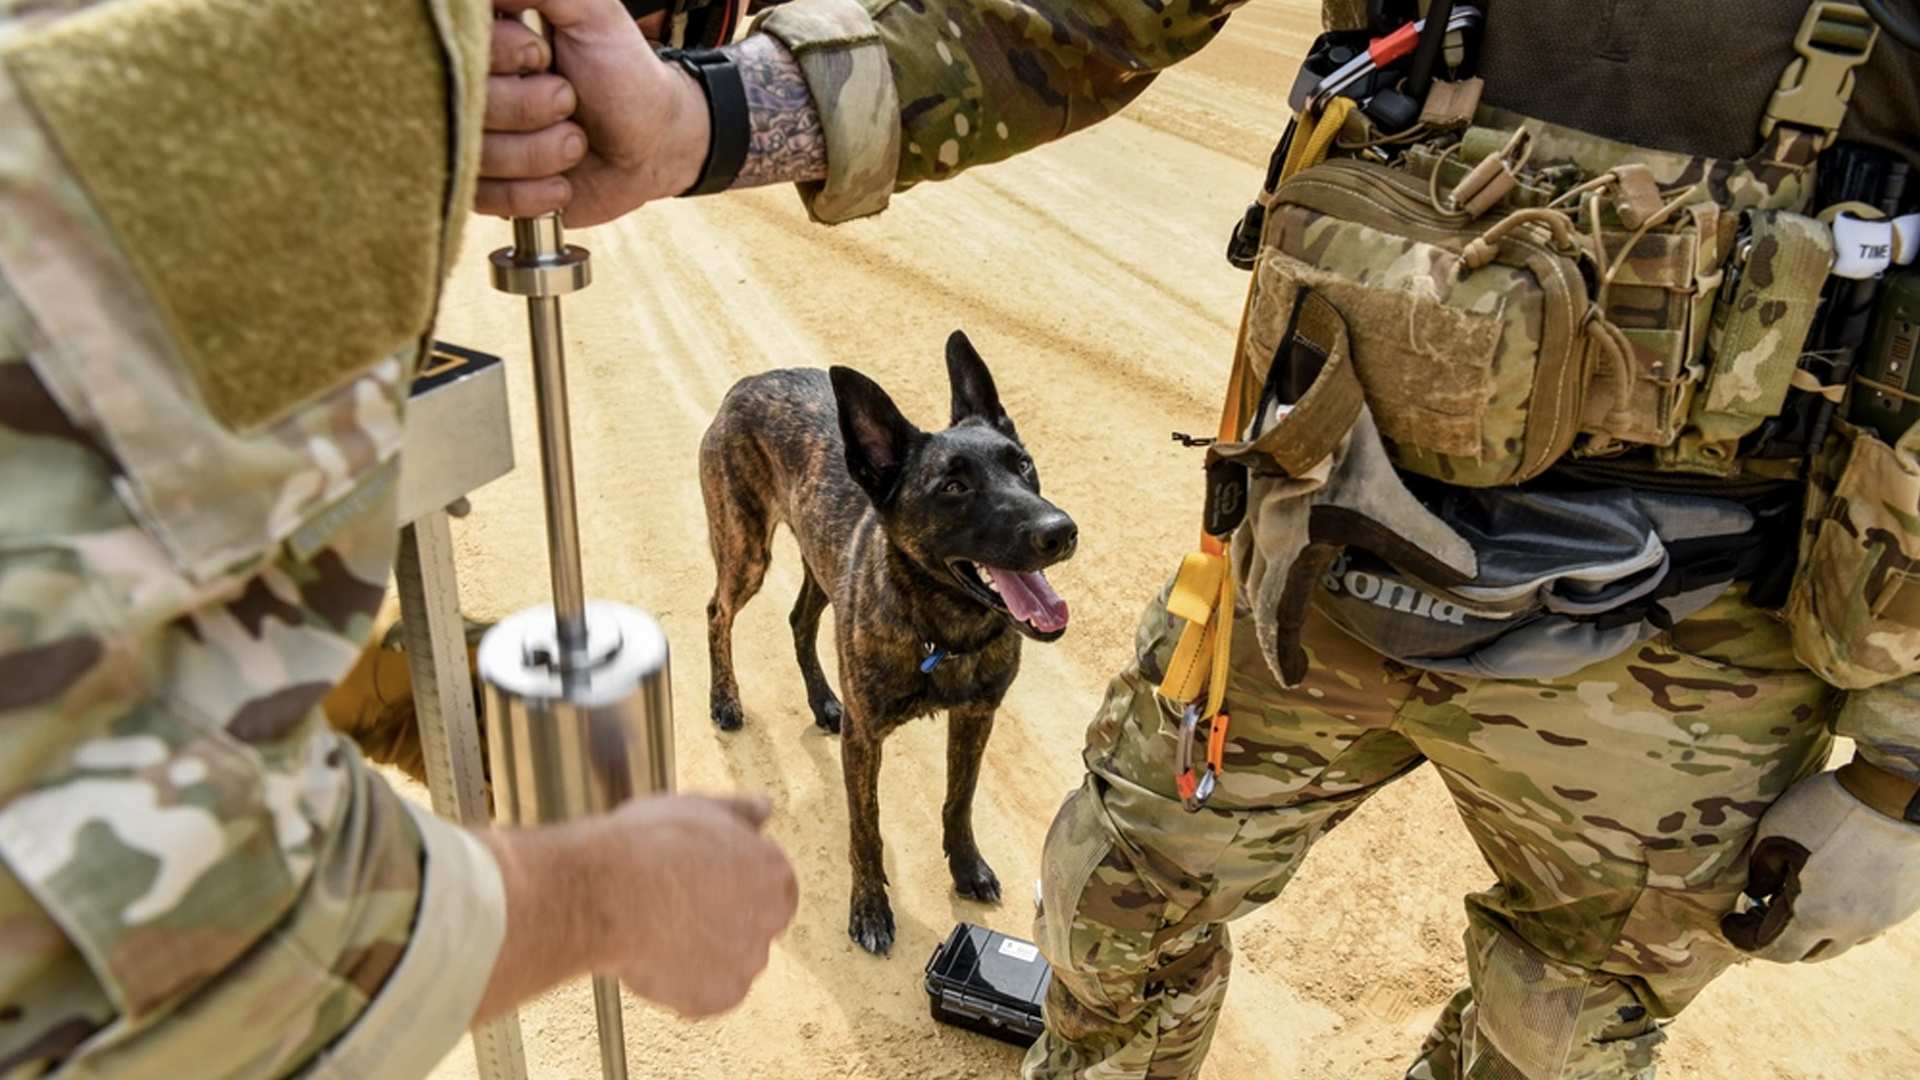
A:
{"x":197,"y":877}
{"x":1618,"y":805}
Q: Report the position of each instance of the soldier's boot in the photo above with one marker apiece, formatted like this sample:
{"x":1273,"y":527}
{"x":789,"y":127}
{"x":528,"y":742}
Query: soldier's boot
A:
{"x":374,"y":706}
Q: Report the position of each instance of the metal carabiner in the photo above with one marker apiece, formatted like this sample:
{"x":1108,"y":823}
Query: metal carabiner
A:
{"x":1196,"y":788}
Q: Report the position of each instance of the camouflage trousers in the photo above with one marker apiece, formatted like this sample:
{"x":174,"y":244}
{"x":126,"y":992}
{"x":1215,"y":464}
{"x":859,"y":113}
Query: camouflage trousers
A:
{"x":1615,"y":807}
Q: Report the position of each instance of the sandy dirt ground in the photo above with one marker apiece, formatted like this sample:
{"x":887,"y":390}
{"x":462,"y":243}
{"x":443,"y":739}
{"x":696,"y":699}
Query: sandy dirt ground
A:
{"x":1090,"y":276}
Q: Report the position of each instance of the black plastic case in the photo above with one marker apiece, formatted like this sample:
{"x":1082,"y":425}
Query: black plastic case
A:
{"x":985,"y":981}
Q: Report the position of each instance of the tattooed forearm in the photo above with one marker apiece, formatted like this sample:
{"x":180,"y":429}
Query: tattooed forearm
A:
{"x":787,"y":142}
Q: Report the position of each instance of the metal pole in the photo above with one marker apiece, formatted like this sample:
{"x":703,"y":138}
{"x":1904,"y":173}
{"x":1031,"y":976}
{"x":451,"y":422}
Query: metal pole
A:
{"x":538,"y":248}
{"x":580,"y":715}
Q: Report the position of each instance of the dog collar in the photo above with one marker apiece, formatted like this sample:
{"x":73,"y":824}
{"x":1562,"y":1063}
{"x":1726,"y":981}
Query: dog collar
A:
{"x":935,"y":654}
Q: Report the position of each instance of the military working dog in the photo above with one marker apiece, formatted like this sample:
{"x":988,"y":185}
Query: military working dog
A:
{"x":930,"y":546}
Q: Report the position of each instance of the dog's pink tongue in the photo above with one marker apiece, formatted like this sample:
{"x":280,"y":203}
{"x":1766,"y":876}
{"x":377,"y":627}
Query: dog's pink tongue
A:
{"x":1031,"y":599}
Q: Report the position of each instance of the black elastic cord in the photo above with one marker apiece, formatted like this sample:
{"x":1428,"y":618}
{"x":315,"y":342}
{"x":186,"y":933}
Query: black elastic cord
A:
{"x":1427,"y":53}
{"x":1896,"y":27}
{"x":717,"y":74}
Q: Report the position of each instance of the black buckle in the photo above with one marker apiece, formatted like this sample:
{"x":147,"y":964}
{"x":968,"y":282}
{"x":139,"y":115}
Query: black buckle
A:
{"x":1244,"y":244}
{"x":1226,"y":505}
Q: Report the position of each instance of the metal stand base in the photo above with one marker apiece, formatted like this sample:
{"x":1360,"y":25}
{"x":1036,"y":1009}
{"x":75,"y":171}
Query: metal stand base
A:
{"x":449,"y":729}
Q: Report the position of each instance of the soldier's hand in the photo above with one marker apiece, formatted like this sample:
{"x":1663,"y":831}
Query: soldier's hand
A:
{"x":680,"y":896}
{"x":607,"y":130}
{"x":708,"y":894}
{"x":1828,"y":872}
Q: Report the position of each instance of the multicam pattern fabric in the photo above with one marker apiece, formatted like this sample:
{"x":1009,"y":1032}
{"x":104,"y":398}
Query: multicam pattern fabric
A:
{"x":841,"y":58}
{"x":197,"y":876}
{"x":218,"y":501}
{"x":1654,"y":766}
{"x":1473,"y":378}
{"x":1779,"y":176}
{"x":1855,"y":606}
{"x":1651,"y":230}
{"x":173,"y":808}
{"x":1767,"y":303}
{"x":1611,"y":880}
{"x":974,"y":82}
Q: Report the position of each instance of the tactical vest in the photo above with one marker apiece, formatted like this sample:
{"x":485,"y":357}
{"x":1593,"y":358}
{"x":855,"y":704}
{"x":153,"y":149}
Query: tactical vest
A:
{"x":1525,"y":302}
{"x":1522,"y":293}
{"x":224,"y":225}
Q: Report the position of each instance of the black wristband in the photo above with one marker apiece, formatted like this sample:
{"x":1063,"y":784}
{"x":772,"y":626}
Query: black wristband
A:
{"x":717,"y":74}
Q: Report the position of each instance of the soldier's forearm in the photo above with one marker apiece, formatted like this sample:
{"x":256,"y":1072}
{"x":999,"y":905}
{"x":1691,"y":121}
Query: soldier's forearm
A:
{"x":1884,"y":722}
{"x":554,"y":914}
{"x":787,"y":142}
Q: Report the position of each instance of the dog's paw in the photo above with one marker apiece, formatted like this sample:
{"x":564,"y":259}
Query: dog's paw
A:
{"x":975,"y":880}
{"x":728,"y":715}
{"x":826,"y":716}
{"x":871,"y":925}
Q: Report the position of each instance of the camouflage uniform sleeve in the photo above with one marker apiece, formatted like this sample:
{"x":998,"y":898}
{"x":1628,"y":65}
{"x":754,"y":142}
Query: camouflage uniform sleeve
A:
{"x":428,"y":1001}
{"x":372,"y":974}
{"x":912,"y":90}
{"x":1884,"y":721}
{"x":197,"y":876}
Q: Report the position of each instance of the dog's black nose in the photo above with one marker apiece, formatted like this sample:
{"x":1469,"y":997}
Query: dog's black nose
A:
{"x":1055,"y":537}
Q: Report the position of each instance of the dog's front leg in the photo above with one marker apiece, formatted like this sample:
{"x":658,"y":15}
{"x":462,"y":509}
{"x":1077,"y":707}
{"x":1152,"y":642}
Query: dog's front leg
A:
{"x":870,"y":922}
{"x":805,"y":621}
{"x":967,"y":731}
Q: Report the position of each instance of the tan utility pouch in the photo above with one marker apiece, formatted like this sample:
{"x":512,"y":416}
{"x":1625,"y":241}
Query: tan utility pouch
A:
{"x":1657,"y":228}
{"x":1760,"y":322}
{"x":1854,"y":609}
{"x":1473,"y":371}
{"x":1651,"y":228}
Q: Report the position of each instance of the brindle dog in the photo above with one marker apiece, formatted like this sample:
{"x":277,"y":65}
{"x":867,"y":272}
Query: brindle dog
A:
{"x":929,"y":545}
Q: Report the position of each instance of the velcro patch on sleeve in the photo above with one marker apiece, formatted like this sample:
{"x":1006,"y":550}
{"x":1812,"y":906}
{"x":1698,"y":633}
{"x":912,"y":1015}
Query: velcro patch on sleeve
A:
{"x":276,"y":171}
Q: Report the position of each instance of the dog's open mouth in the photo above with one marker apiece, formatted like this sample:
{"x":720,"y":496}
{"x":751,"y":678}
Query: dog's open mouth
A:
{"x":1024,"y":596}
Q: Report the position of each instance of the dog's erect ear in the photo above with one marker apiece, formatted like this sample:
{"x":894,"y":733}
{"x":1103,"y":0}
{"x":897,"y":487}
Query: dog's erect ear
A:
{"x":973,"y":390}
{"x":878,"y":438}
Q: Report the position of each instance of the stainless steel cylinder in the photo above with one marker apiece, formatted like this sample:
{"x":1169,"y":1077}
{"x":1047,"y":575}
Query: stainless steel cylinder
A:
{"x":576,"y":729}
{"x":568,"y":741}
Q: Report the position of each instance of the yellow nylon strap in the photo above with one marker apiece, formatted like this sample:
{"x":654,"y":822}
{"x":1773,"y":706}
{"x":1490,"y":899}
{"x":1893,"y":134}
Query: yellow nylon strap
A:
{"x":1195,"y":598}
{"x":1222,"y":646}
{"x":1197,"y":586}
{"x":1203,"y":594}
{"x":1313,"y":136}
{"x":1203,"y":590}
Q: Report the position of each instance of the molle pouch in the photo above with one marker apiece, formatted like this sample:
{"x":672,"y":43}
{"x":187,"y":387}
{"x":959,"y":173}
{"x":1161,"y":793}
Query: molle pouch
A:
{"x":1854,"y":609}
{"x":1318,"y":480}
{"x":1657,"y":228}
{"x":1658,"y":289}
{"x":1760,"y":323}
{"x":1473,"y":367}
{"x":227,"y":225}
{"x":1560,"y":160}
